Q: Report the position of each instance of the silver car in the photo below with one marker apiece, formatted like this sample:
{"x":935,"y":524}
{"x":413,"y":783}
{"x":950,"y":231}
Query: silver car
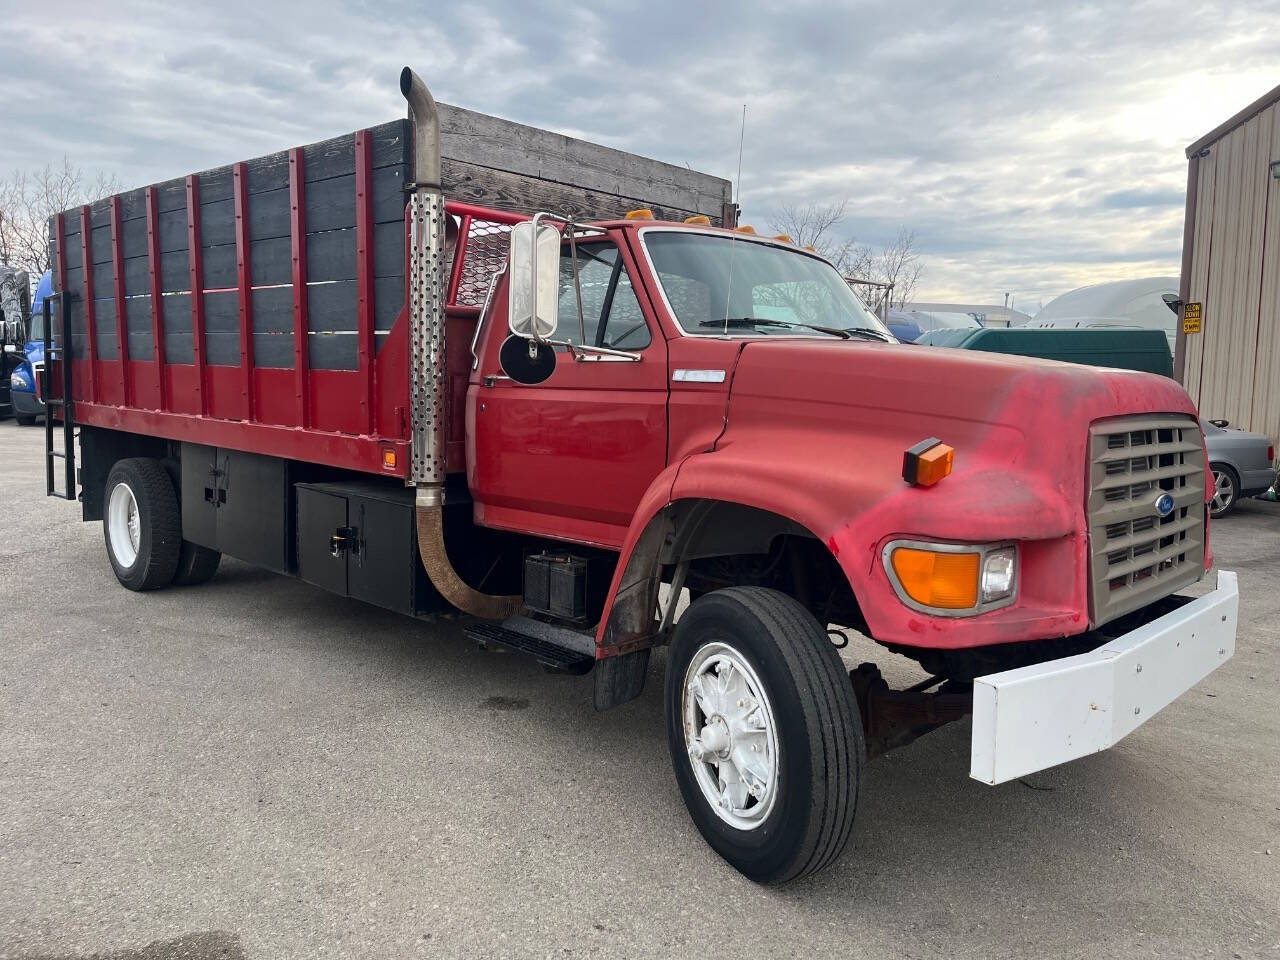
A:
{"x":1241,"y":463}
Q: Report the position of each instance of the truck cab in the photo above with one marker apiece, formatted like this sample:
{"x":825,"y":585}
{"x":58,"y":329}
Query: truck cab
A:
{"x":24,"y":377}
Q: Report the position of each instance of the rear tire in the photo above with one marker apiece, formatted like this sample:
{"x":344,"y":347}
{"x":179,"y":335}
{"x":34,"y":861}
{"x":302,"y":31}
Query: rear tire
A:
{"x":196,"y":564}
{"x":142,"y":524}
{"x":761,"y":716}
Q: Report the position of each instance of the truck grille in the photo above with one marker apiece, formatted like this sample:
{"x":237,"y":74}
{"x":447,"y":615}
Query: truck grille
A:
{"x":1137,"y":556}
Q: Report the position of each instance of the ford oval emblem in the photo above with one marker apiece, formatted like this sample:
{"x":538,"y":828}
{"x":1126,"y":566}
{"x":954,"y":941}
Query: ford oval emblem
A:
{"x":1164,"y":504}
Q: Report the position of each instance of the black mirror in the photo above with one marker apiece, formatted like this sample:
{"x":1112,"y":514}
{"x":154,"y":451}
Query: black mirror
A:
{"x":527,"y":361}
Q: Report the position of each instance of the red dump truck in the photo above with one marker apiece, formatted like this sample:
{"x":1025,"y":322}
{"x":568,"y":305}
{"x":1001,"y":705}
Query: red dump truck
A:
{"x":596,"y":432}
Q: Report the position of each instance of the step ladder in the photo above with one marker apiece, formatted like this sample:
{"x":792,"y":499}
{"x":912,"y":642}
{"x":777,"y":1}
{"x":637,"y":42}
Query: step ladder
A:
{"x":62,"y":402}
{"x":558,"y":649}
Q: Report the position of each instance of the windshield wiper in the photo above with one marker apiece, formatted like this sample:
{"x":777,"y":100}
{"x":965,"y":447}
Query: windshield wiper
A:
{"x":867,"y":333}
{"x":739,"y":323}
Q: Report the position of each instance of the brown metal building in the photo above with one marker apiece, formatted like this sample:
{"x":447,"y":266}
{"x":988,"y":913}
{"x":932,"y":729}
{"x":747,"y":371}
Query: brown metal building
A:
{"x":1229,"y":360}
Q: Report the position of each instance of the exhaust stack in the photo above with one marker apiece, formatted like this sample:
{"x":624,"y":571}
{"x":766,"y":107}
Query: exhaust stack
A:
{"x":428,"y":371}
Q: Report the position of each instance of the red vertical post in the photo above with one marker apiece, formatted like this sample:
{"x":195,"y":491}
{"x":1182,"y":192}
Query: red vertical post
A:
{"x":459,"y":259}
{"x":195,"y":263}
{"x":364,"y":273}
{"x":56,"y":336}
{"x":244,"y":281}
{"x":122,"y":324}
{"x":298,"y":239}
{"x":90,"y":323}
{"x":157,"y":296}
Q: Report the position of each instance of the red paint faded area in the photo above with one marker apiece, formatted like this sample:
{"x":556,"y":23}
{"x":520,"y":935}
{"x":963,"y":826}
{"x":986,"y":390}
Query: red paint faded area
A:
{"x":816,"y":432}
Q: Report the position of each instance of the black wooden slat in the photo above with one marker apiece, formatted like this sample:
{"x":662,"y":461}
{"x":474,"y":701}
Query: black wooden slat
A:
{"x":332,"y":306}
{"x":217,"y":221}
{"x":177,"y":329}
{"x":73,"y":256}
{"x":175,"y":273}
{"x":388,"y":298}
{"x":273,"y":311}
{"x":104,"y":318}
{"x":273,"y":350}
{"x":173,"y":230}
{"x":137,"y":276}
{"x":100,"y":237}
{"x":219,"y":266}
{"x":332,"y":352}
{"x":104,"y":280}
{"x":271,"y":261}
{"x":137,"y":313}
{"x":133,"y":236}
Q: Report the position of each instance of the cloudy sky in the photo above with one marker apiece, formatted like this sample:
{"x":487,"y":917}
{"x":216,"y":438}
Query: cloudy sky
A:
{"x":1033,"y":147}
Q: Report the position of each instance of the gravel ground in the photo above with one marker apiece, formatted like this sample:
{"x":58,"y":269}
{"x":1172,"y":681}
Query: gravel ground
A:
{"x":254,"y":768}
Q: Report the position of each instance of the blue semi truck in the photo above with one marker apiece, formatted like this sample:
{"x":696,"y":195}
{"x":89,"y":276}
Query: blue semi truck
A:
{"x":23,"y":396}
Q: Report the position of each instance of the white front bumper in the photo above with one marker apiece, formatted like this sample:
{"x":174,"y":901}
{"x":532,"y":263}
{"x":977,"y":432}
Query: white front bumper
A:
{"x":1036,"y":717}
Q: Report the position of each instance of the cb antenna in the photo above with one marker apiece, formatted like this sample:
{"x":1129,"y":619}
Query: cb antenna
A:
{"x":737,"y":195}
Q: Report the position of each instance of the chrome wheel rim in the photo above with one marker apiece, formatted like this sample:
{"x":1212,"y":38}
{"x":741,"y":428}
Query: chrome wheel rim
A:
{"x":731,"y":736}
{"x":1224,"y":490}
{"x":124,"y":525}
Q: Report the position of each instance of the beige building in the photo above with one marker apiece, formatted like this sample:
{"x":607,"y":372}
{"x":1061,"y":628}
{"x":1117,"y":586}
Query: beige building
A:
{"x":1229,"y":360}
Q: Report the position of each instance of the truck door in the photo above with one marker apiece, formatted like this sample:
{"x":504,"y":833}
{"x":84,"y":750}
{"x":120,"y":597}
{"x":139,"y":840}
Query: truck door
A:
{"x":572,"y":456}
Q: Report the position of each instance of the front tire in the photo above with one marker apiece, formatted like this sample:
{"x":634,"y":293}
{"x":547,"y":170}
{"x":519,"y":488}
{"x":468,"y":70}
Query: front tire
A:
{"x":24,"y":420}
{"x":1226,"y":490}
{"x":765,"y":736}
{"x":142,"y":524}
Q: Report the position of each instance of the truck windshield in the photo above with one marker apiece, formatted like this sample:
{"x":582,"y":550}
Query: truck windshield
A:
{"x":750,"y":288}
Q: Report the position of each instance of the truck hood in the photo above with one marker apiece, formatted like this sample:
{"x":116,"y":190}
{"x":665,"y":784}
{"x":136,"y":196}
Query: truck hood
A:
{"x":851,"y":409}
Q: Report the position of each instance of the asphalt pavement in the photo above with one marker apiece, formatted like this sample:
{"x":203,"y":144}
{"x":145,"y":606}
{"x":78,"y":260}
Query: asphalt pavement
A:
{"x":254,"y":768}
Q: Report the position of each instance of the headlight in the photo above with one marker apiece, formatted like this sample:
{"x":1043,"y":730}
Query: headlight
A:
{"x":950,"y":579}
{"x":997,"y":574}
{"x":18,"y":381}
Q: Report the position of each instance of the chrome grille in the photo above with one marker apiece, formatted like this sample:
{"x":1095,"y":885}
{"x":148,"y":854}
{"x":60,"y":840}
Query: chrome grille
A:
{"x":1135,"y":555}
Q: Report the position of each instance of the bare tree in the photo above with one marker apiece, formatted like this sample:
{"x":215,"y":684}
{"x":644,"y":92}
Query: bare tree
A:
{"x":896,"y":266}
{"x":29,"y":198}
{"x":813,"y":225}
{"x":899,"y":264}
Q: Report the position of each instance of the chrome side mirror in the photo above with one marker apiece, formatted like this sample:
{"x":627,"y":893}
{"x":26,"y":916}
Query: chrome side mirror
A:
{"x":533,"y":301}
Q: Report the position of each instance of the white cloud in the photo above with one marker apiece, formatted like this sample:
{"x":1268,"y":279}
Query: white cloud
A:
{"x":1033,"y":149}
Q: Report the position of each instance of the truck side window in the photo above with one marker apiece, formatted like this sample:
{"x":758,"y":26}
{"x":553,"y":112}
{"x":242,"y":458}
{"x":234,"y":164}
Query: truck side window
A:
{"x":610,"y":311}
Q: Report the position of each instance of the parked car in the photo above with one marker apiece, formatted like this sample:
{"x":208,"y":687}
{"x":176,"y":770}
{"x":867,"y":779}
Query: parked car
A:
{"x":1241,"y":462}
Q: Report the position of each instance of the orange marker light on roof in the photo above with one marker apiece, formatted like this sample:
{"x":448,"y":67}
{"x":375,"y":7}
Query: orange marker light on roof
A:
{"x":701,"y":219}
{"x":745,"y":228}
{"x":783,"y":238}
{"x":927,"y":462}
{"x":644,"y":213}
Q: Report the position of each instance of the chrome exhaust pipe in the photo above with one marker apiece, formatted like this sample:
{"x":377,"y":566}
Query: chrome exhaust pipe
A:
{"x":428,"y":371}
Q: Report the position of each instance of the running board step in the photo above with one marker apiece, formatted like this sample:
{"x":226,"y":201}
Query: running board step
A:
{"x":556,"y":648}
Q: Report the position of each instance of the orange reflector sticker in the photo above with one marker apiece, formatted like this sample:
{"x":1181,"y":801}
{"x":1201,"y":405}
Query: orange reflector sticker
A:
{"x":933,"y":579}
{"x":388,"y":459}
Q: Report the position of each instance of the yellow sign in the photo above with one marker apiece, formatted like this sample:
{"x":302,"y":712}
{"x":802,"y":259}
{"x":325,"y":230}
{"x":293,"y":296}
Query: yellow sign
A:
{"x":1191,"y":318}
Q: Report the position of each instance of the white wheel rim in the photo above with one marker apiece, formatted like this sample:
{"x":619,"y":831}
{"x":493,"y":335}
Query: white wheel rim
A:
{"x":731,"y":736}
{"x":124,"y":525}
{"x":1223,"y":490}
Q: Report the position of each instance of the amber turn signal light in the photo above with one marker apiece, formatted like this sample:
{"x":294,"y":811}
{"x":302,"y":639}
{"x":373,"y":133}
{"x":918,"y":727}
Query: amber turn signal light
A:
{"x":388,"y":459}
{"x":945,"y":580}
{"x":927,"y":462}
